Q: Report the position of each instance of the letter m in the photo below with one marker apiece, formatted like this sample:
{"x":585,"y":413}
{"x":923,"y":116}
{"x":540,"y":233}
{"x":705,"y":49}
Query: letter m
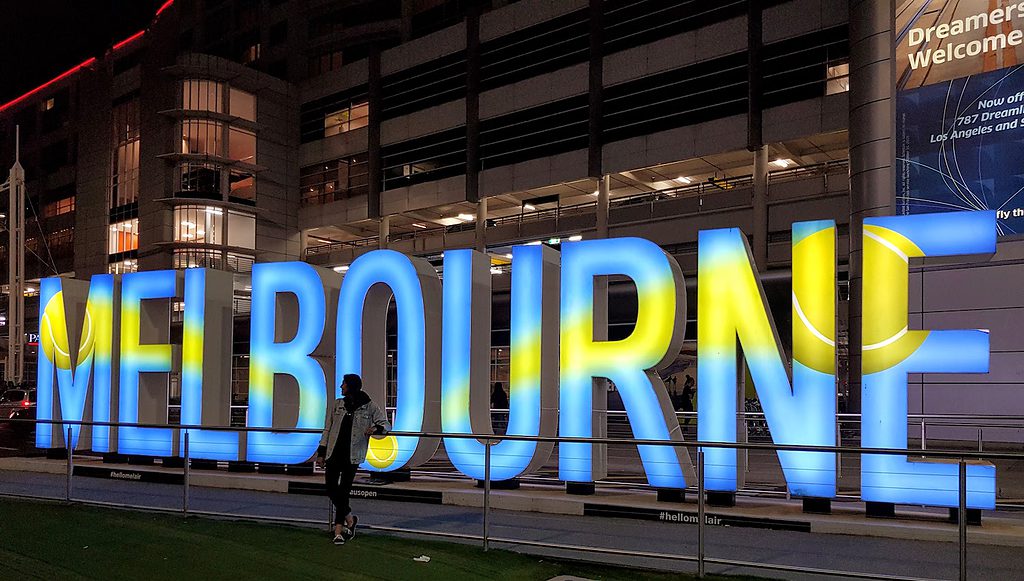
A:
{"x":76,"y":344}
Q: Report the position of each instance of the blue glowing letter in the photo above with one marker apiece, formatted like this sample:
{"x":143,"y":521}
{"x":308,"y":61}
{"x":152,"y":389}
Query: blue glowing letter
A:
{"x":730,"y":305}
{"x":366,"y":291}
{"x":890,"y":351}
{"x":631,"y":363}
{"x":288,"y":319}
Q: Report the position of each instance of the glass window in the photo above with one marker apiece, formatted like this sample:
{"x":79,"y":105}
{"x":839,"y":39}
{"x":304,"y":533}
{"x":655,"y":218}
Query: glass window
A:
{"x":63,"y":206}
{"x":334,"y":180}
{"x":200,"y":177}
{"x":352,"y":117}
{"x":124,"y":182}
{"x":124,"y":236}
{"x":837,"y":78}
{"x":242,"y":145}
{"x":202,"y":137}
{"x":199,"y":224}
{"x":243,"y":185}
{"x":123,"y":266}
{"x":240,"y":262}
{"x":197,"y":258}
{"x":243,"y":104}
{"x":241,"y":230}
{"x":202,"y":95}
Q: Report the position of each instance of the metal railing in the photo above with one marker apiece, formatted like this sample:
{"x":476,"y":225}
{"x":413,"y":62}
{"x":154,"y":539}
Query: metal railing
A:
{"x":652,"y":199}
{"x":486,"y":538}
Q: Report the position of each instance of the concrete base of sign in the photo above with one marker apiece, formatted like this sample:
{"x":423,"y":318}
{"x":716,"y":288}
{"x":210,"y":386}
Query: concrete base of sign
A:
{"x":510,"y":484}
{"x":140,"y":460}
{"x":300,"y":469}
{"x":671,"y":495}
{"x":817,"y":505}
{"x":391,"y":477}
{"x":269,"y":468}
{"x":580,"y":488}
{"x":241,"y":467}
{"x":721,"y":498}
{"x":114,"y":458}
{"x":56,"y":454}
{"x":203,"y":464}
{"x":173,"y":462}
{"x":973,"y":516}
{"x":880,"y":509}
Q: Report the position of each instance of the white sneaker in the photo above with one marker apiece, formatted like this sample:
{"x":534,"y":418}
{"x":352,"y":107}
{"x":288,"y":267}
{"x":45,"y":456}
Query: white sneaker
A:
{"x":339,"y":539}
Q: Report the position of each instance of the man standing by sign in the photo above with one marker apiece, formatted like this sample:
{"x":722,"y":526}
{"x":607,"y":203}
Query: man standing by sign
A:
{"x":347,"y":430}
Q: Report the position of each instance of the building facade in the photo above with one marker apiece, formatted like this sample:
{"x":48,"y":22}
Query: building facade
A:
{"x":235,"y":131}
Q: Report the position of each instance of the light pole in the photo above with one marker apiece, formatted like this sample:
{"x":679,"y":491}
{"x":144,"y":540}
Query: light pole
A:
{"x":14,"y":371}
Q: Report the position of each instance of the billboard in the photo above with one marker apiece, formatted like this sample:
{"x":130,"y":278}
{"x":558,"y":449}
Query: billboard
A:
{"x":960,"y":108}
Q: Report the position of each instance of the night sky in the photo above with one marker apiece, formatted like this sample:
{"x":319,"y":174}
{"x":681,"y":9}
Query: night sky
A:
{"x":40,"y":39}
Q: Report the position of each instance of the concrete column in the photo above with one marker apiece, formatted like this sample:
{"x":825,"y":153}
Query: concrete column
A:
{"x":481,"y":225}
{"x":603,"y":186}
{"x":759,"y":229}
{"x":303,"y":243}
{"x":374,"y":164}
{"x":872,"y":145}
{"x":385,"y":232}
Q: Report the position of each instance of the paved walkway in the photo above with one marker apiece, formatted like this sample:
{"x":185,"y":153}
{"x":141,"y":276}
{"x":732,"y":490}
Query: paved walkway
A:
{"x":914,"y":558}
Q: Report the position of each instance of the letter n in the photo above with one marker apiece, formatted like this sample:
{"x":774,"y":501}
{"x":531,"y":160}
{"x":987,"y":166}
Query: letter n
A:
{"x":731,"y":305}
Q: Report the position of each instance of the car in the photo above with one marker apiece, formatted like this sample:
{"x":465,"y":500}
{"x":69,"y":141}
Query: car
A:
{"x":18,"y":404}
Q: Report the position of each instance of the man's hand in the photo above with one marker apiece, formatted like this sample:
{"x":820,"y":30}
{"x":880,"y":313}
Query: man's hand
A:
{"x":369,"y":431}
{"x":318,"y":462}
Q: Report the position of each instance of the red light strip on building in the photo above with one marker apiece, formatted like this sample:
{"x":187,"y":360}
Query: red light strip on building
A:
{"x":81,"y":66}
{"x":129,"y":40}
{"x":165,"y":6}
{"x":56,"y":79}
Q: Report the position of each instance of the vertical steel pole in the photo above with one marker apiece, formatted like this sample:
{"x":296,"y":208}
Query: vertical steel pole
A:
{"x":14,"y":370}
{"x":839,"y":444}
{"x":962,"y":519}
{"x":184,"y":490}
{"x":70,"y":466}
{"x":924,"y":445}
{"x":487,"y":491}
{"x":700,"y":512}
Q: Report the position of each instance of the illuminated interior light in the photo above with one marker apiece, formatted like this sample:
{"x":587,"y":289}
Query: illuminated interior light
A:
{"x":418,"y":225}
{"x":495,"y":270}
{"x":684,"y":180}
{"x":575,"y":238}
{"x":214,"y":211}
{"x":783,"y":163}
{"x":555,"y":241}
{"x":509,"y":256}
{"x":466,"y":217}
{"x":529,"y":207}
{"x":534,"y":243}
{"x":341,"y":268}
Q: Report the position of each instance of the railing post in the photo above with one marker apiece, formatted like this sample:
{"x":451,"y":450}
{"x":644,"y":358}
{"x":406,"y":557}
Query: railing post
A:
{"x":981,"y":444}
{"x":487,"y":492}
{"x":839,"y":444}
{"x":700,"y":512}
{"x":70,"y":466}
{"x":184,"y":489}
{"x":924,"y":445}
{"x":962,"y":519}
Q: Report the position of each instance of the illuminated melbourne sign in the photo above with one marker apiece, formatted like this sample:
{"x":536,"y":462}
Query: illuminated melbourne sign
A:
{"x":106,"y":356}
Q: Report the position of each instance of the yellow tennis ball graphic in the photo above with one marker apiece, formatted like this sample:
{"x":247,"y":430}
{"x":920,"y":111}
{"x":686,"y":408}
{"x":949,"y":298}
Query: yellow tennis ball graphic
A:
{"x":53,"y":334}
{"x":382,"y":452}
{"x":814,"y":301}
{"x":887,"y":341}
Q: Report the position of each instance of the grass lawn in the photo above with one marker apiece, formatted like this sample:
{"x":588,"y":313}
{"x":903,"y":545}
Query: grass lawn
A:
{"x":55,"y":541}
